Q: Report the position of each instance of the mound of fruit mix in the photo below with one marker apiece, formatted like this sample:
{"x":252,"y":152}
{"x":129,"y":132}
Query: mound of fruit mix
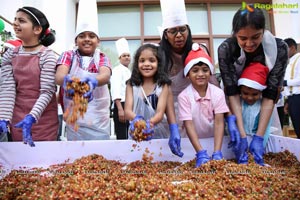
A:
{"x":94,"y":177}
{"x":78,"y":106}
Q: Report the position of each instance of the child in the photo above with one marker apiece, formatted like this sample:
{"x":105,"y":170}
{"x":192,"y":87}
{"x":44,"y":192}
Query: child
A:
{"x":252,"y":82}
{"x":27,"y":99}
{"x":147,"y":90}
{"x":202,"y":105}
{"x":92,"y":67}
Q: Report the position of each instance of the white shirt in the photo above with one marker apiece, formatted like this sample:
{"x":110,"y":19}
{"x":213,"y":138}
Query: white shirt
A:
{"x":295,"y":82}
{"x":120,"y":74}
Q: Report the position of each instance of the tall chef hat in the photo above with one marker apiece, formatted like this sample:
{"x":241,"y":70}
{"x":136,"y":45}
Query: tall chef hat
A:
{"x":122,"y":46}
{"x":195,"y":56}
{"x":254,"y":76}
{"x":87,"y":19}
{"x":173,"y":13}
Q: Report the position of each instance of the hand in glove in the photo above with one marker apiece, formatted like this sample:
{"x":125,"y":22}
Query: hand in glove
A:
{"x":202,"y":157}
{"x":241,"y":152}
{"x":26,"y":125}
{"x":148,"y":132}
{"x":68,"y":92}
{"x":3,"y":126}
{"x":174,"y":140}
{"x":257,"y":149}
{"x":93,"y":83}
{"x":235,"y":136}
{"x":217,"y":155}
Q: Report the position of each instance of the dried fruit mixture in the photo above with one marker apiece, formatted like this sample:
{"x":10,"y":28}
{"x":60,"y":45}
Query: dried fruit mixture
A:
{"x":94,"y":177}
{"x":79,"y":105}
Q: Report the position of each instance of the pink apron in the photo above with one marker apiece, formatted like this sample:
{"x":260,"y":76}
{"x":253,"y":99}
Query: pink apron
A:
{"x":27,"y":70}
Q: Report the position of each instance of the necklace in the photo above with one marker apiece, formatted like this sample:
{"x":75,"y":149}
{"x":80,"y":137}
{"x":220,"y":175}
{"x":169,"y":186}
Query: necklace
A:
{"x":28,"y":47}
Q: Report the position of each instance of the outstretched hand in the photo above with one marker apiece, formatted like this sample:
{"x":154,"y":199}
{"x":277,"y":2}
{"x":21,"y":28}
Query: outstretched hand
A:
{"x":174,"y":140}
{"x":26,"y":125}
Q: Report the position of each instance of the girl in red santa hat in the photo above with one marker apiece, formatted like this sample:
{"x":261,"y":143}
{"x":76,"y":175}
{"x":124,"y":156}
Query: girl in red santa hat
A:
{"x":252,"y":82}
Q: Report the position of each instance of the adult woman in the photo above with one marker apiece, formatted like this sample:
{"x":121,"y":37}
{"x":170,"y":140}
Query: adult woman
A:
{"x":250,"y":42}
{"x":28,"y":92}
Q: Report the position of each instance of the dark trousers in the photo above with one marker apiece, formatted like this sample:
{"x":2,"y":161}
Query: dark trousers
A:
{"x":294,"y":111}
{"x":121,"y":129}
{"x":281,"y":115}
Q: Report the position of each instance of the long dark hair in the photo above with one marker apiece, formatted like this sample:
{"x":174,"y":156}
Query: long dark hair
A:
{"x":47,"y":36}
{"x":243,"y":18}
{"x":160,"y":76}
{"x":167,"y":50}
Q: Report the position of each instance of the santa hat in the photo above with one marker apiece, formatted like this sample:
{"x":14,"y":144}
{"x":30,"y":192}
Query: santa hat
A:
{"x":12,"y":43}
{"x":122,"y":46}
{"x":254,"y":76}
{"x":195,"y":56}
{"x":173,"y":13}
{"x":87,"y":18}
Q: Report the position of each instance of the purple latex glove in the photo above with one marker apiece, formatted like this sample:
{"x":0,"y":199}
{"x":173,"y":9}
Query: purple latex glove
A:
{"x":174,"y":140}
{"x":217,"y":155}
{"x":69,"y":93}
{"x":26,"y":125}
{"x":202,"y":157}
{"x":148,"y":131}
{"x":256,"y":148}
{"x":3,"y":126}
{"x":241,"y":152}
{"x":93,"y":83}
{"x":235,"y":136}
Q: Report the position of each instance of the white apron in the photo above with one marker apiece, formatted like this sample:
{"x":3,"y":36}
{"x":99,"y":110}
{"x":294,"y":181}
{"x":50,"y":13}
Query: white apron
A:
{"x":95,"y":125}
{"x":140,"y":107}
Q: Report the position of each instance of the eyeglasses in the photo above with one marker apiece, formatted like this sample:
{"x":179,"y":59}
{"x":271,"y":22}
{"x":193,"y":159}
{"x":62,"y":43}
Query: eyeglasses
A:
{"x":174,"y":31}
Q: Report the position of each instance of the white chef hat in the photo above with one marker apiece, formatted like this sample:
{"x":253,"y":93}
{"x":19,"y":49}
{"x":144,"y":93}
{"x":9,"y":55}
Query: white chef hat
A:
{"x":122,"y":46}
{"x":87,"y":18}
{"x":173,"y":13}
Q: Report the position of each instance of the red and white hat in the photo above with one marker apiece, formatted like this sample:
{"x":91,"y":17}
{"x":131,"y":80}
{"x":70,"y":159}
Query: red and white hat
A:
{"x":254,"y":76}
{"x":195,"y":56}
{"x":12,"y":43}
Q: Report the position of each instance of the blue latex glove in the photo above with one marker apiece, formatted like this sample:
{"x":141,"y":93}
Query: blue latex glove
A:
{"x":131,"y":123}
{"x":235,"y":136}
{"x":217,"y":155}
{"x":241,"y":152}
{"x":93,"y":83}
{"x":174,"y":140}
{"x":148,"y":131}
{"x":3,"y":126}
{"x":202,"y":157}
{"x":257,"y":149}
{"x":26,"y":125}
{"x":68,"y":92}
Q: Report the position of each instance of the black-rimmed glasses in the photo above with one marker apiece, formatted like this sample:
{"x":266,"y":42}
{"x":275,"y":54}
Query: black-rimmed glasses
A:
{"x":174,"y":31}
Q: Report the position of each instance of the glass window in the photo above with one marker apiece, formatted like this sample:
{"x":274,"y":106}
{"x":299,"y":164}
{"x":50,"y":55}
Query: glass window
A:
{"x":216,"y":43}
{"x":120,"y":21}
{"x":110,"y":50}
{"x":152,"y":19}
{"x":221,"y":16}
{"x":197,"y":18}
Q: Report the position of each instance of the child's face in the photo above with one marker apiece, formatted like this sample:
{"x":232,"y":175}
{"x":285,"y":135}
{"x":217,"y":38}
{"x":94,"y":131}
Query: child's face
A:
{"x":199,"y":75}
{"x":250,"y":95}
{"x":87,"y":43}
{"x":23,"y":26}
{"x":148,"y":63}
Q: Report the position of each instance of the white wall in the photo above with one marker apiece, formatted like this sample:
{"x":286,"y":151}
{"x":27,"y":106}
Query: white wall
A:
{"x":287,"y":24}
{"x":61,"y":15}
